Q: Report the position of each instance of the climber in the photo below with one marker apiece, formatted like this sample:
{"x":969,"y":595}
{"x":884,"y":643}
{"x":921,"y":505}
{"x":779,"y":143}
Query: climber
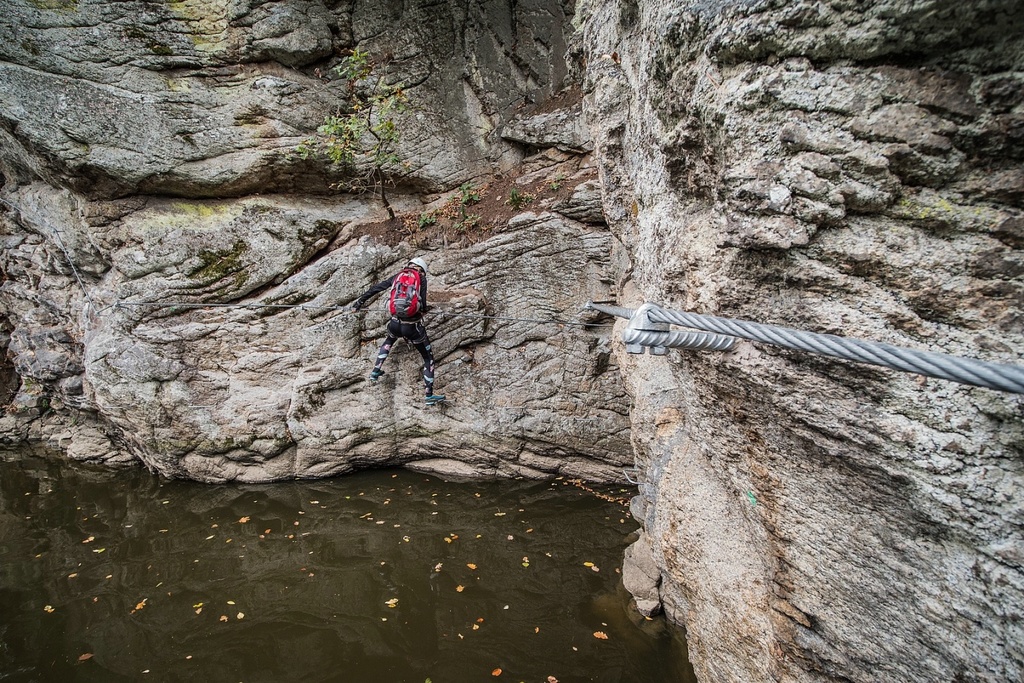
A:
{"x":407,"y":303}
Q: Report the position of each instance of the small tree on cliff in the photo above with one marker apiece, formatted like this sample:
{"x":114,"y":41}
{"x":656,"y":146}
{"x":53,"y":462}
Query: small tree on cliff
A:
{"x":363,"y":139}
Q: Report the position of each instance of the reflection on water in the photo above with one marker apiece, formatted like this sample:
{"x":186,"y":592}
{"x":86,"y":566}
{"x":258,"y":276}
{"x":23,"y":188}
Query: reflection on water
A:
{"x":380,"y":576}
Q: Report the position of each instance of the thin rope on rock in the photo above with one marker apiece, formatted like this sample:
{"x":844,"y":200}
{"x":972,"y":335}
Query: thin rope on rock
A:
{"x":67,"y":255}
{"x":346,"y":311}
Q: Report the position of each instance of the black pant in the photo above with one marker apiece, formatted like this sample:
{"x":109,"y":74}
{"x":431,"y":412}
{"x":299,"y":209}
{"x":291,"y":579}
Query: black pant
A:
{"x":416,"y":334}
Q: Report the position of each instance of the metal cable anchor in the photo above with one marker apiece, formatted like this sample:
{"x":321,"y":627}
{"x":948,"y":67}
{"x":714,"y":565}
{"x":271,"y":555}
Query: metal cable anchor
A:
{"x":637,"y":333}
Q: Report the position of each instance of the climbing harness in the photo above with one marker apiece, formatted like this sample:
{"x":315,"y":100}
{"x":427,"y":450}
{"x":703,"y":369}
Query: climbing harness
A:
{"x":648,"y":328}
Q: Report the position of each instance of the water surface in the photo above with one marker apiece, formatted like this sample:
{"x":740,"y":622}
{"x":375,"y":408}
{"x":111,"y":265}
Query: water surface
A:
{"x":379,"y":576}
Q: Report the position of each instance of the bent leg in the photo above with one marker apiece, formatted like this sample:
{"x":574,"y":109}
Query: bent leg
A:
{"x":385,"y":348}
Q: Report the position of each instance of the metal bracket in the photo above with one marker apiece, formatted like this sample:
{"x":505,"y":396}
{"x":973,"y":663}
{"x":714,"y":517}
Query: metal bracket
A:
{"x":643,"y":333}
{"x":641,"y":323}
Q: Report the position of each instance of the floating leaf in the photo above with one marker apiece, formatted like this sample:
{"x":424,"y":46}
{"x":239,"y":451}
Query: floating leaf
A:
{"x":231,"y":602}
{"x":198,"y":604}
{"x":496,"y":672}
{"x":471,"y":565}
{"x":140,"y":605}
{"x":48,"y":609}
{"x":223,"y":617}
{"x":600,"y":635}
{"x":393,"y":602}
{"x":588,"y":564}
{"x":459,"y":589}
{"x":85,"y":656}
{"x":240,"y":615}
{"x":72,"y":575}
{"x":89,"y":540}
{"x":243,"y":520}
{"x":99,"y":550}
{"x":208,"y":537}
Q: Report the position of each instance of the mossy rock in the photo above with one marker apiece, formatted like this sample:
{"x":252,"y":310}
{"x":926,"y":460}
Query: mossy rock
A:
{"x":217,"y":265}
{"x":56,"y":5}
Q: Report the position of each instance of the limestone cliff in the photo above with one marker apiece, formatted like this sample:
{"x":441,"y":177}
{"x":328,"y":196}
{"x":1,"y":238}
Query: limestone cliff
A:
{"x":844,"y":167}
{"x":849,"y":168}
{"x":148,"y":157}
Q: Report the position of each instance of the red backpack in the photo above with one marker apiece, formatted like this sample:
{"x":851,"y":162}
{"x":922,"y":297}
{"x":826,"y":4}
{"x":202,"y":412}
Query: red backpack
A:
{"x":405,"y":301}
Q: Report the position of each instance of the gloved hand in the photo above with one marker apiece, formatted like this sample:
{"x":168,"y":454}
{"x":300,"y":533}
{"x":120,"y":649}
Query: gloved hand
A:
{"x":356,"y":305}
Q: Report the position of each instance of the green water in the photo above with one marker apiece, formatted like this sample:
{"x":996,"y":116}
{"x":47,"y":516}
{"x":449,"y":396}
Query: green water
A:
{"x":380,"y":576}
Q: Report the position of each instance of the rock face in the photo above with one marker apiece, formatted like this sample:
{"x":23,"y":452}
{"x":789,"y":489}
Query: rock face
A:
{"x":210,"y":97}
{"x":839,"y":168}
{"x":174,"y":276}
{"x":148,"y":157}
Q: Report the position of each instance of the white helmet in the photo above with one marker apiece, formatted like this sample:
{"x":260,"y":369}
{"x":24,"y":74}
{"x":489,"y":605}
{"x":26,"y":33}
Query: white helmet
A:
{"x":419,"y":263}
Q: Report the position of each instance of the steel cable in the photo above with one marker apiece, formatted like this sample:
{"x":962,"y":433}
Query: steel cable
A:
{"x":964,"y":370}
{"x":999,"y":376}
{"x":692,"y":341}
{"x":345,"y":309}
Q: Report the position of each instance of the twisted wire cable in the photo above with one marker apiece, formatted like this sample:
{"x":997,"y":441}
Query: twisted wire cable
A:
{"x":345,"y":309}
{"x":999,"y":376}
{"x":692,"y":341}
{"x":60,"y":245}
{"x":617,"y":311}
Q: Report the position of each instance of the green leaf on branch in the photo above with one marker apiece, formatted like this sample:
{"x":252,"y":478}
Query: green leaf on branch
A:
{"x":363,"y":138}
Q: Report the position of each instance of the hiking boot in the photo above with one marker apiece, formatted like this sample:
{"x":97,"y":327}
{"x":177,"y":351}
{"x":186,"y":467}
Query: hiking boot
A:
{"x":376,"y":374}
{"x":434,"y":399}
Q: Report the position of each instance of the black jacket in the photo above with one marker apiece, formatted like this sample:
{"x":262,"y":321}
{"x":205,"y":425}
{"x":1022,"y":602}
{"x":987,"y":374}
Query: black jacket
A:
{"x":385,"y":285}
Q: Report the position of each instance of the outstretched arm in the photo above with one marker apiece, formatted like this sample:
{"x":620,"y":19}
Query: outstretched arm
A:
{"x":372,"y":292}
